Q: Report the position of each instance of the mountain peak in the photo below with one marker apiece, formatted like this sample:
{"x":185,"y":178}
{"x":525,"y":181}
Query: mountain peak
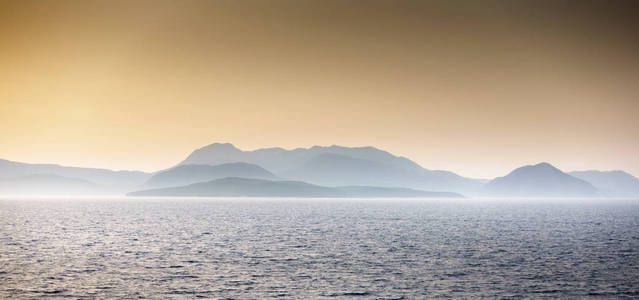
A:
{"x":220,"y":147}
{"x":544,"y":165}
{"x":537,"y":170}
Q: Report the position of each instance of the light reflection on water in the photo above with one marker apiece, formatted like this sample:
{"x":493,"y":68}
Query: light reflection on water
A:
{"x":318,"y":248}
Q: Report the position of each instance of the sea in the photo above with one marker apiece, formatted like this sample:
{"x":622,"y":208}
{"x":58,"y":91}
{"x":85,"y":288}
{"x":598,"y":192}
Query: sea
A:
{"x":253,"y":248}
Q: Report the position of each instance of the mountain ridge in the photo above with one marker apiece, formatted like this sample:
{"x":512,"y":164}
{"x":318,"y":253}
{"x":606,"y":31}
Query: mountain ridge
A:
{"x":104,"y":177}
{"x":198,"y":156}
{"x":245,"y":187}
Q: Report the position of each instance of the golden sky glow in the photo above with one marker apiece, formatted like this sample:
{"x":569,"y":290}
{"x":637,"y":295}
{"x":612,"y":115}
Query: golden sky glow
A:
{"x":478,"y":88}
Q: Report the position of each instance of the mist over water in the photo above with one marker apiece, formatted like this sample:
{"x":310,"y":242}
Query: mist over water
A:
{"x":318,"y":248}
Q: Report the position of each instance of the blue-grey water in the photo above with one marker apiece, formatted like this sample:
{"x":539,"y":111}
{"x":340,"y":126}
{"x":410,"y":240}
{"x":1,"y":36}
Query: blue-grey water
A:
{"x":318,"y":248}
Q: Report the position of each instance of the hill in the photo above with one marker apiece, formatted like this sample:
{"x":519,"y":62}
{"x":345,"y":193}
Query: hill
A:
{"x":49,"y":185}
{"x":188,"y":174}
{"x":611,"y":183}
{"x":541,"y":180}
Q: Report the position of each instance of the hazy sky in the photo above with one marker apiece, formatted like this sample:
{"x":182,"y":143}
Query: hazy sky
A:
{"x":476,"y":87}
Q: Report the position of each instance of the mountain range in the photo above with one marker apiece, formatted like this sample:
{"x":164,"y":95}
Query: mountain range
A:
{"x":221,"y":169}
{"x":337,"y":165}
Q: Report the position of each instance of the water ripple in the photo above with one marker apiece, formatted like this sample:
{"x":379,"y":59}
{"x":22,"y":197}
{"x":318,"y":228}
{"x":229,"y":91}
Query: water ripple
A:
{"x":276,"y":248}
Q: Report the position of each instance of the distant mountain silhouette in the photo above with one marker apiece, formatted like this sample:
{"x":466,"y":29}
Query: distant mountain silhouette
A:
{"x":336,"y":169}
{"x":332,"y":171}
{"x":187,"y":174}
{"x":390,"y":192}
{"x":541,"y":180}
{"x":117,"y":180}
{"x":243,"y":187}
{"x":278,"y":160}
{"x":50,"y":185}
{"x":611,"y":183}
{"x":336,"y":165}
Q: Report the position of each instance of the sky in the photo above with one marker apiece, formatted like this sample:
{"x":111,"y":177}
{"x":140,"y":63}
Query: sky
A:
{"x":475,"y":87}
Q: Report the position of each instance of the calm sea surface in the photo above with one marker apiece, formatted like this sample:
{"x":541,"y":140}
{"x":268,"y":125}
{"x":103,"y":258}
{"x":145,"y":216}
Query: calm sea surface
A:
{"x":318,"y":248}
